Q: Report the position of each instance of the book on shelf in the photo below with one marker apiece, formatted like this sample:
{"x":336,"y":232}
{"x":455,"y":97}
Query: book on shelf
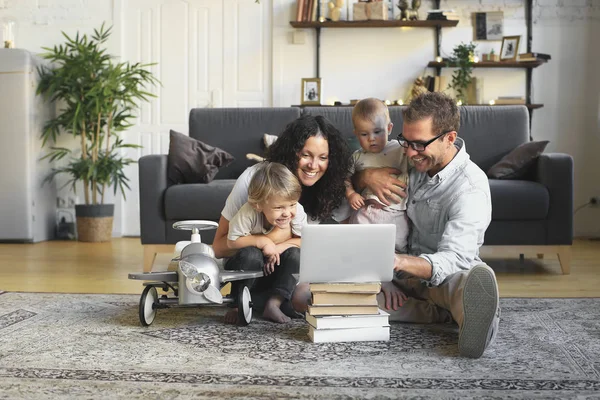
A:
{"x":524,"y":59}
{"x":343,"y":310}
{"x":370,"y":334}
{"x":344,"y":299}
{"x":348,"y":321}
{"x":509,"y":101}
{"x":299,"y":10}
{"x":442,"y":15}
{"x":542,"y":56}
{"x":368,"y":287}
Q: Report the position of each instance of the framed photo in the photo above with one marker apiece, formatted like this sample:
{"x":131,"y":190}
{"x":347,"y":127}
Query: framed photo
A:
{"x":510,"y":48}
{"x":311,"y":91}
{"x":488,"y":25}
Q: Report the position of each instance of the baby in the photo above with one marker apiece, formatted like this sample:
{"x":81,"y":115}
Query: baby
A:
{"x":270,"y":222}
{"x":372,"y":126}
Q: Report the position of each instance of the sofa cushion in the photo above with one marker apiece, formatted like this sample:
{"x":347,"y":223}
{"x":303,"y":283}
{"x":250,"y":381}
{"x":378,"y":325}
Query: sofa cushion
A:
{"x":239,"y":131}
{"x":193,"y":161}
{"x":514,"y":200}
{"x":518,"y":162}
{"x":197,"y":201}
{"x":491,"y":132}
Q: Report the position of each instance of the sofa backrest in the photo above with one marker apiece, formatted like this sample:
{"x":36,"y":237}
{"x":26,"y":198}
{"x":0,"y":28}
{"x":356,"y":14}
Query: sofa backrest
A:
{"x":490,"y":132}
{"x":239,"y":131}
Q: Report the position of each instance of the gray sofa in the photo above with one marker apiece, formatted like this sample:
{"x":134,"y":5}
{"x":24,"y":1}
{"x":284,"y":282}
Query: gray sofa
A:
{"x":533,"y":216}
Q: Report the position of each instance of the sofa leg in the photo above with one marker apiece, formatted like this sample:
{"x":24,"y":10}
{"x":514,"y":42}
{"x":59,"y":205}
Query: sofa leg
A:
{"x":150,"y":251}
{"x":564,"y":257}
{"x":540,"y":256}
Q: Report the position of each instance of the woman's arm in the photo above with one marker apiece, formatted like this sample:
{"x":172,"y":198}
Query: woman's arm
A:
{"x":220,"y":242}
{"x":387,"y":188}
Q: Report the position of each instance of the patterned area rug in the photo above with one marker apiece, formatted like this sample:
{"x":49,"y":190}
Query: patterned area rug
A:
{"x":63,"y":346}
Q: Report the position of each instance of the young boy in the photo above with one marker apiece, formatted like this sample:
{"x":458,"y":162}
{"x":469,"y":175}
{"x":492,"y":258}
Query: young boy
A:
{"x":372,"y":126}
{"x":262,"y":231}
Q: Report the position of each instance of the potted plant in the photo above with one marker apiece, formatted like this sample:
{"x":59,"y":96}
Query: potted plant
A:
{"x":462,"y":59}
{"x":97,"y":98}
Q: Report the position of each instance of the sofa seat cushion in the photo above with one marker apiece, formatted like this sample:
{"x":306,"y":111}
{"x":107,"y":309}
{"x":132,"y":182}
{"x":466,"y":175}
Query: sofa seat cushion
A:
{"x":197,"y":201}
{"x":518,"y":200}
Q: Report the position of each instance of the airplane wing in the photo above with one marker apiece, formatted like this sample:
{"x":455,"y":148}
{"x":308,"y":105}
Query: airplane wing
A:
{"x":228,"y":276}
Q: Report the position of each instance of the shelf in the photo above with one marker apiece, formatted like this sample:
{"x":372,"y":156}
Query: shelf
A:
{"x":374,"y":24}
{"x":493,"y":64}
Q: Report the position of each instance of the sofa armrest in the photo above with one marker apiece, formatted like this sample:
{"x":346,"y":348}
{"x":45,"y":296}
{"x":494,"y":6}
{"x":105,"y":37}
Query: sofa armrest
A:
{"x":153,"y":183}
{"x":555,"y":171}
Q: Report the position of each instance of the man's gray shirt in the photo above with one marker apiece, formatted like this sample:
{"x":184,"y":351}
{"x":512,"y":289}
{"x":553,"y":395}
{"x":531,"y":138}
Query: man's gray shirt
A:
{"x":450,"y":213}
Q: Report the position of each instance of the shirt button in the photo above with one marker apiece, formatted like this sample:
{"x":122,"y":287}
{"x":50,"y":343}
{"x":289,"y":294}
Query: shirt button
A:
{"x":414,"y":201}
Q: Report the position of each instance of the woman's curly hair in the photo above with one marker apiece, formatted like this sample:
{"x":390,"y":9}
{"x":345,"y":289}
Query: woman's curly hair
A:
{"x":320,"y":199}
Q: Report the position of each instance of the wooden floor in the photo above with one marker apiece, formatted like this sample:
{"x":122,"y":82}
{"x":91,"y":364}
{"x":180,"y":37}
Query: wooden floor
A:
{"x":73,"y":267}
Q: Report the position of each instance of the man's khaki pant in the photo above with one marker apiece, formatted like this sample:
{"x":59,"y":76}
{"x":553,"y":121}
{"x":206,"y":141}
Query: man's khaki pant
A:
{"x":438,"y":304}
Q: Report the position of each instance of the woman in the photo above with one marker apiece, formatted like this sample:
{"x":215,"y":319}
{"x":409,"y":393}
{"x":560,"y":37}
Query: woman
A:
{"x":314,"y":150}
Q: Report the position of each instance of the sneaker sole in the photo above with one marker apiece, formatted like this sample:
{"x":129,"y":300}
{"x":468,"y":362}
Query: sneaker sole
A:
{"x":480,"y":302}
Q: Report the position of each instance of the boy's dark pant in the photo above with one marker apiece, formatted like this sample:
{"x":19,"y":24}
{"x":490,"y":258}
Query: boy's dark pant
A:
{"x":281,"y":282}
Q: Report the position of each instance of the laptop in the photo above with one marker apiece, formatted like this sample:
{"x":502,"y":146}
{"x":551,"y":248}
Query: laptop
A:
{"x":347,"y":253}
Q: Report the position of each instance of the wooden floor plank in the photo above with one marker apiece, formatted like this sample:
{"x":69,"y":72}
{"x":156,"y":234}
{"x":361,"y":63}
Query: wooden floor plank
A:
{"x":74,"y":267}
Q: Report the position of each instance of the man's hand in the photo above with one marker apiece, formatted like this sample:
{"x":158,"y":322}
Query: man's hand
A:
{"x":356,"y":201}
{"x":384,"y":185}
{"x":400,"y":262}
{"x":415,"y":266}
{"x":394,"y":297}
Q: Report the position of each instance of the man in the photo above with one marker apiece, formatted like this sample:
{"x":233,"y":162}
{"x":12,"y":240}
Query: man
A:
{"x":449,"y":203}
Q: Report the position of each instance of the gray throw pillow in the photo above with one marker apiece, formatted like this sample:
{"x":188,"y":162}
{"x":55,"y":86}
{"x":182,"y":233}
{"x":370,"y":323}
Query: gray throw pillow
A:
{"x":517,"y":163}
{"x":193,"y":161}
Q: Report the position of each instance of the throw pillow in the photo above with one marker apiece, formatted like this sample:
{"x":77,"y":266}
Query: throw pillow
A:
{"x":193,"y":161}
{"x":516,"y":164}
{"x":269,"y":139}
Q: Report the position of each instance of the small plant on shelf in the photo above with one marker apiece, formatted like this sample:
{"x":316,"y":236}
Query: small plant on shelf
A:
{"x":462,"y":59}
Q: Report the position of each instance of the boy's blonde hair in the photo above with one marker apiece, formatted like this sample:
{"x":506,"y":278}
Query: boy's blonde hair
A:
{"x":369,"y":109}
{"x":273,"y":179}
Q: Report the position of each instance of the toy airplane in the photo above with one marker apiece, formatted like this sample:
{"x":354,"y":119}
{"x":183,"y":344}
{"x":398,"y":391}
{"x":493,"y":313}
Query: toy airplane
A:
{"x":198,"y":280}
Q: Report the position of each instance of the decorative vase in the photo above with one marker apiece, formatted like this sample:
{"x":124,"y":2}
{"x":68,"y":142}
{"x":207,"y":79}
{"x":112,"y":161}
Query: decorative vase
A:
{"x":94,"y":222}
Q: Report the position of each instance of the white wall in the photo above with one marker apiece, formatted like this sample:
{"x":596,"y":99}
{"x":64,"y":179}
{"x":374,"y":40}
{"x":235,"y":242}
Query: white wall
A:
{"x":384,"y":62}
{"x":39,"y":24}
{"x":569,"y":87}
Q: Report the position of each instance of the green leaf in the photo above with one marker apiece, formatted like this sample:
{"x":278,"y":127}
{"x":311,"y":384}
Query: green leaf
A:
{"x":87,"y":83}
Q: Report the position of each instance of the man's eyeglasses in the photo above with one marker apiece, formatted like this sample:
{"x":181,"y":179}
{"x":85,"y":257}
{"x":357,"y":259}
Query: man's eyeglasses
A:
{"x":418,"y":146}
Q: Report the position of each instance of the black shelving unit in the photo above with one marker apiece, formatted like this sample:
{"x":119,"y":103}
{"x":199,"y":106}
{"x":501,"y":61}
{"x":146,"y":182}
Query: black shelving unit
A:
{"x":435,"y":24}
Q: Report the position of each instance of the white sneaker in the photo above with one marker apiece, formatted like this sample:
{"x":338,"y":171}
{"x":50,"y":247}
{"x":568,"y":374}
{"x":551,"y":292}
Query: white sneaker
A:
{"x":481,"y":312}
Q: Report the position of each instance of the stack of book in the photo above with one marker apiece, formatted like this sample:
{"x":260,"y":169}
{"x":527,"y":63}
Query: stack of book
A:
{"x":534,"y":57}
{"x":508,"y":100}
{"x":346,"y":312}
{"x":442,"y":15}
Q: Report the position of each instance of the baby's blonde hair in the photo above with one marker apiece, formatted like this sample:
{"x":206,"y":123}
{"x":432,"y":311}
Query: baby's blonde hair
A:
{"x":273,"y":179}
{"x":369,"y":109}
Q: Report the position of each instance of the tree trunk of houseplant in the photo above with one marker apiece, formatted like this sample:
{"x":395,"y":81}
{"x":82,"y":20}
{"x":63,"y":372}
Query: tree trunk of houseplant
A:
{"x":94,"y":222}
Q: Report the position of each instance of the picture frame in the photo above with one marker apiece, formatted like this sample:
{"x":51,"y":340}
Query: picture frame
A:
{"x":488,"y":25}
{"x":310,"y":92}
{"x":510,"y":48}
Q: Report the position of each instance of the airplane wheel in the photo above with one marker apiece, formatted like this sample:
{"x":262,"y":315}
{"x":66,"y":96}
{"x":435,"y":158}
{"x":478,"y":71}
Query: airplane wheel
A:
{"x":147,"y":301}
{"x":244,"y":304}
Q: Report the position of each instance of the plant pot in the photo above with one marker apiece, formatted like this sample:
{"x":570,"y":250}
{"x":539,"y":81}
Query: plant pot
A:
{"x":94,"y":222}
